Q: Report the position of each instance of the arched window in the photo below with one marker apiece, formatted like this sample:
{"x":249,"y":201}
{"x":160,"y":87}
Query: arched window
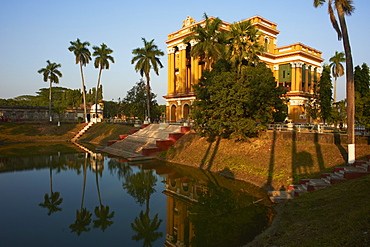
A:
{"x":173,"y":113}
{"x":186,"y":111}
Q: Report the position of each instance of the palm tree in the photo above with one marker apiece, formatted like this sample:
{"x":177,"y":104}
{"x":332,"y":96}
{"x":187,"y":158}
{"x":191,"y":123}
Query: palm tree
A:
{"x":83,"y":57}
{"x":102,"y":62}
{"x":51,"y":74}
{"x":243,"y":44}
{"x":146,"y":58}
{"x":337,"y":69}
{"x":210,"y":42}
{"x":343,"y":8}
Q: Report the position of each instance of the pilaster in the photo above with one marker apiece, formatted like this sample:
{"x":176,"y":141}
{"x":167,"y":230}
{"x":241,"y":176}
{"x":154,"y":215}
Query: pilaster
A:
{"x":295,"y":87}
{"x":298,"y":75}
{"x":276,"y":74}
{"x":194,"y":74}
{"x":306,"y":81}
{"x":171,"y":71}
{"x":182,"y":68}
{"x":312,"y":80}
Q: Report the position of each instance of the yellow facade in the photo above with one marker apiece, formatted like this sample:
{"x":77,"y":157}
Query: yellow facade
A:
{"x":296,"y":67}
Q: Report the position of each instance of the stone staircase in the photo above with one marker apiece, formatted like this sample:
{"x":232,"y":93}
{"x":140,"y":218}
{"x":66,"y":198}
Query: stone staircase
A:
{"x":339,"y":174}
{"x":146,"y":142}
{"x":82,"y":131}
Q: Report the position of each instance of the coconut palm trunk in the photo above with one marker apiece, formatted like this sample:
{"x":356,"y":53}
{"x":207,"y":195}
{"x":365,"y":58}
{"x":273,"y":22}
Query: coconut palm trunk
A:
{"x":51,"y":84}
{"x":335,"y":89}
{"x":83,"y":92}
{"x":96,"y":95}
{"x":350,"y":81}
{"x":148,"y":96}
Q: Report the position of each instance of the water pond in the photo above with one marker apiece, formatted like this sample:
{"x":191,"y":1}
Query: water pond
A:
{"x":56,"y":195}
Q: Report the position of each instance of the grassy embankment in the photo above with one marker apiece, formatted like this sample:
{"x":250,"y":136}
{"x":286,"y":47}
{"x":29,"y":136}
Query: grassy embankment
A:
{"x":271,"y":164}
{"x":101,"y":133}
{"x":335,"y":216}
{"x":44,"y":137}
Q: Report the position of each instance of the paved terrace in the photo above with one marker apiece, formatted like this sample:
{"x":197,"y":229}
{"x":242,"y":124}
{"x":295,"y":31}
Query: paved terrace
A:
{"x":131,"y":147}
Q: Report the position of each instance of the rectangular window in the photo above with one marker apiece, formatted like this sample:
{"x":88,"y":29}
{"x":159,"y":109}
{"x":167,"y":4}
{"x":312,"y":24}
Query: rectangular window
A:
{"x":285,"y":72}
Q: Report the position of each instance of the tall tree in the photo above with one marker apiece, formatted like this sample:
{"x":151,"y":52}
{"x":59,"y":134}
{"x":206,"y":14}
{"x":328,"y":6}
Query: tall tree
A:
{"x":83,"y":57}
{"x":230,"y":103}
{"x":135,"y":102}
{"x":243,"y":44}
{"x":362,"y":88}
{"x":337,"y":69}
{"x":51,"y":74}
{"x":325,"y":94}
{"x":102,"y":58}
{"x":147,"y":58}
{"x":362,"y":80}
{"x":210,"y":41}
{"x":343,"y":8}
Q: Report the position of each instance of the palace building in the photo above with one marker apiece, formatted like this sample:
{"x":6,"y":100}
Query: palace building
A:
{"x":296,"y":67}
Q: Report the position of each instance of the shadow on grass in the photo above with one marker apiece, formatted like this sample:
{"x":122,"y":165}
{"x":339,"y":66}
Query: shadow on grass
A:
{"x":320,"y":158}
{"x":210,"y":153}
{"x":268,"y":185}
{"x":302,"y":162}
{"x":342,"y":150}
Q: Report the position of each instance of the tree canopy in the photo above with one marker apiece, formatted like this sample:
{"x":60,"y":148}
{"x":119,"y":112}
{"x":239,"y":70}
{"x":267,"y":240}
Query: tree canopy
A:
{"x":232,"y":104}
{"x":51,"y":73}
{"x":83,"y":57}
{"x":134,"y":104}
{"x":362,"y":88}
{"x":145,"y":59}
{"x":337,"y":69}
{"x":325,"y":93}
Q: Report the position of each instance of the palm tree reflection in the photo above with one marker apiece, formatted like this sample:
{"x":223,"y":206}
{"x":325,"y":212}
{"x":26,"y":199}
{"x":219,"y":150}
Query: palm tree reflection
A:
{"x":53,"y":201}
{"x":141,"y":186}
{"x":101,"y":212}
{"x":146,"y":228}
{"x":83,"y":216}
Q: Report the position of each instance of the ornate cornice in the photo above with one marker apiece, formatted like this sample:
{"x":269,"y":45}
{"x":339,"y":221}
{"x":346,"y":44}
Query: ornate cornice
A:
{"x":182,"y":46}
{"x":170,"y":50}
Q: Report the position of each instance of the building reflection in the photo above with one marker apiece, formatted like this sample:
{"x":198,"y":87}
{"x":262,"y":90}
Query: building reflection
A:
{"x":197,"y":203}
{"x":181,"y":193}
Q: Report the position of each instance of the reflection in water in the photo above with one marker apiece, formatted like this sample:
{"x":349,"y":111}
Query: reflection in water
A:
{"x":203,"y":213}
{"x":53,"y":201}
{"x":141,"y":186}
{"x":102,"y":212}
{"x":83,"y":216}
{"x":152,"y":204}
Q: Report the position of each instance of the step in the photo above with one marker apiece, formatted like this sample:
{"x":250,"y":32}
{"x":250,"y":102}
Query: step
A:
{"x":317,"y":184}
{"x":279,"y":196}
{"x":300,"y":190}
{"x":335,"y":179}
{"x":355,"y":174}
{"x":150,"y":151}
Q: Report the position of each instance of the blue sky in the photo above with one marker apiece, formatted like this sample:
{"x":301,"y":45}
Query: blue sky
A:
{"x":35,"y":31}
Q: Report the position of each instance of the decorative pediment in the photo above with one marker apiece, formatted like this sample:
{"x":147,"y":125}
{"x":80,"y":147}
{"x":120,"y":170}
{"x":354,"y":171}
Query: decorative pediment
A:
{"x":188,"y":21}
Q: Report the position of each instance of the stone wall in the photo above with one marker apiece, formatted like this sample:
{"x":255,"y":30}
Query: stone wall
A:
{"x":29,"y":113}
{"x":330,"y":138}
